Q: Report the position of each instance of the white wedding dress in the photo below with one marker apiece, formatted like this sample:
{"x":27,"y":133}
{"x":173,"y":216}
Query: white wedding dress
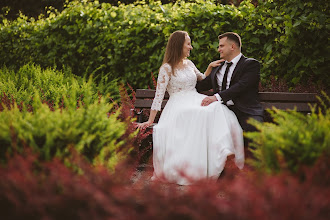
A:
{"x":190,"y":141}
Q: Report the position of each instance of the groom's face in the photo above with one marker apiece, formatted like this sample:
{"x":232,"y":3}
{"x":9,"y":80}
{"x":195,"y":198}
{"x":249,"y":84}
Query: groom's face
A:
{"x":225,"y":48}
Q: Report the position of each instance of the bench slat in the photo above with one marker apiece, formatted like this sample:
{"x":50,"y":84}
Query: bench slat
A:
{"x":148,"y":93}
{"x":288,"y":97}
{"x":146,"y":103}
{"x":264,"y":96}
{"x":301,"y":107}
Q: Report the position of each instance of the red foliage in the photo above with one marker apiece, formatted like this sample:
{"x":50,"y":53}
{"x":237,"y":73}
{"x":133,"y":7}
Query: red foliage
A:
{"x":6,"y":102}
{"x":49,"y":190}
{"x":154,"y":81}
{"x":141,"y":141}
{"x":127,"y":104}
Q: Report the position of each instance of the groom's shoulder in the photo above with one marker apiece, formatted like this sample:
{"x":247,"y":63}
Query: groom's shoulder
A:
{"x":249,"y":59}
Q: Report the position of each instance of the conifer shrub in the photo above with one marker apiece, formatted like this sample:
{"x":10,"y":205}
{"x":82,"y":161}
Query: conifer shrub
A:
{"x":52,"y":85}
{"x":292,"y":140}
{"x":51,"y":111}
{"x":90,"y":129}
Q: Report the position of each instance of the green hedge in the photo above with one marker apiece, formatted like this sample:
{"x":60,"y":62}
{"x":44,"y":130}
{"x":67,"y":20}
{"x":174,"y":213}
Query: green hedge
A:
{"x":128,"y":41}
{"x":70,"y":113}
{"x":294,"y":39}
{"x":33,"y":8}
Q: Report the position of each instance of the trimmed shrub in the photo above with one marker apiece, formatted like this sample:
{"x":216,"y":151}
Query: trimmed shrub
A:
{"x":289,"y":37}
{"x":33,"y":8}
{"x":128,"y":41}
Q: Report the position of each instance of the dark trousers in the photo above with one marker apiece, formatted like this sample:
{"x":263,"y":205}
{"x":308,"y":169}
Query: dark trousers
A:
{"x":243,"y":117}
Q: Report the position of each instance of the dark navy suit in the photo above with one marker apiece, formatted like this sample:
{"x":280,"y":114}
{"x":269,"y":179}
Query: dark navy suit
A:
{"x":243,"y":90}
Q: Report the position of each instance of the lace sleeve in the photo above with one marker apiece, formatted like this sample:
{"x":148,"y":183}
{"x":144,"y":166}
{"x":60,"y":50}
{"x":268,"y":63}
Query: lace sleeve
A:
{"x":199,"y":75}
{"x":162,"y":81}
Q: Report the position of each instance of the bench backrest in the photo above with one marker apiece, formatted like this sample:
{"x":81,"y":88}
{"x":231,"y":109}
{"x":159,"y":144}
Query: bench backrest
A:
{"x":280,"y":100}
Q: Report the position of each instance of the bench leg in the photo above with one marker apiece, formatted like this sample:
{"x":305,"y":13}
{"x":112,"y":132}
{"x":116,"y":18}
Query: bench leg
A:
{"x":140,"y":118}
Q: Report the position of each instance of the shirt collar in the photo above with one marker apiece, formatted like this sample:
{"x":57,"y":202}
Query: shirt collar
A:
{"x":236,"y":59}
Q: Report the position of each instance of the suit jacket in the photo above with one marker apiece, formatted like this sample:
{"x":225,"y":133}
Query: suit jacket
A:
{"x":243,"y":88}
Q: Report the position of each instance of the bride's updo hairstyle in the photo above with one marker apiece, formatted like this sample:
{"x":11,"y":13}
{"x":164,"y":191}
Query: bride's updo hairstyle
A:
{"x":173,"y":53}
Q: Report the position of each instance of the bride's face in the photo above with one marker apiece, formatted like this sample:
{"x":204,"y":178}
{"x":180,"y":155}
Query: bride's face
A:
{"x":186,"y":47}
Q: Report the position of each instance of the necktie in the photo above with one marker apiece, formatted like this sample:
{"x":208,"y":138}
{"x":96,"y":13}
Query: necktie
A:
{"x":224,"y":80}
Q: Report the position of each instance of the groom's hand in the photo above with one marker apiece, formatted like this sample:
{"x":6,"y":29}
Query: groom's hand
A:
{"x":208,"y":100}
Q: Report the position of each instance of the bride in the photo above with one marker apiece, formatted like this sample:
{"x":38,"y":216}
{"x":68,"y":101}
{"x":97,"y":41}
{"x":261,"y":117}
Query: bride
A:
{"x":190,"y":142}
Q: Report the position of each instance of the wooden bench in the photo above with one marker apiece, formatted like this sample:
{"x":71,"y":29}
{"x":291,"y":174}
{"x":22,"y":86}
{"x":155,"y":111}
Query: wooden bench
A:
{"x":280,"y":100}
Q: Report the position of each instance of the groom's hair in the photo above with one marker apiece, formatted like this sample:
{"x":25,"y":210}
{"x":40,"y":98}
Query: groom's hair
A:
{"x":233,"y":37}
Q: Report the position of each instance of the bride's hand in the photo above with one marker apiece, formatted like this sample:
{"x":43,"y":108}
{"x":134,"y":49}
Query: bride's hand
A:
{"x":212,"y":65}
{"x":216,"y":63}
{"x":144,"y":125}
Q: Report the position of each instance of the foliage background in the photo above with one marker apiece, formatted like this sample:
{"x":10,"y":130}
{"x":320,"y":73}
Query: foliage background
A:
{"x":33,"y":8}
{"x":49,"y":113}
{"x":290,"y":38}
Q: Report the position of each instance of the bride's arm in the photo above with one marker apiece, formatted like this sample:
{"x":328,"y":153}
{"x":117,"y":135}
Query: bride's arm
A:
{"x":151,"y":120}
{"x":162,"y":81}
{"x":201,"y":76}
{"x":212,"y":65}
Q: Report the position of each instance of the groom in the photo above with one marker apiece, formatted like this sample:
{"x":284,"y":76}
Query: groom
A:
{"x":235,"y":82}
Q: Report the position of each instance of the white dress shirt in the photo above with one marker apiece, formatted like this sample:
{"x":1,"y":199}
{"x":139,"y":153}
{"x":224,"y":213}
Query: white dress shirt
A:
{"x":221,"y":73}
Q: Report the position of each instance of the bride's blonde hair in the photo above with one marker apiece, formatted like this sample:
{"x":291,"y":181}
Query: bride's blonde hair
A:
{"x":173,"y":53}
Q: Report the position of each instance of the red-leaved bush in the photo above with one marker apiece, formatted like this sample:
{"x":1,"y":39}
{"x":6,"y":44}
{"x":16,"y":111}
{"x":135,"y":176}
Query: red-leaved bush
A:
{"x":49,"y":190}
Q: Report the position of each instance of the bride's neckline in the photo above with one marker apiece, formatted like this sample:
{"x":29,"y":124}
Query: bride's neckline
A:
{"x":182,"y":65}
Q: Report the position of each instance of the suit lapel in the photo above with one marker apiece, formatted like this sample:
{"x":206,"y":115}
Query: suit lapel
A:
{"x":214,"y":77}
{"x":215,"y":71}
{"x":238,"y":67}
